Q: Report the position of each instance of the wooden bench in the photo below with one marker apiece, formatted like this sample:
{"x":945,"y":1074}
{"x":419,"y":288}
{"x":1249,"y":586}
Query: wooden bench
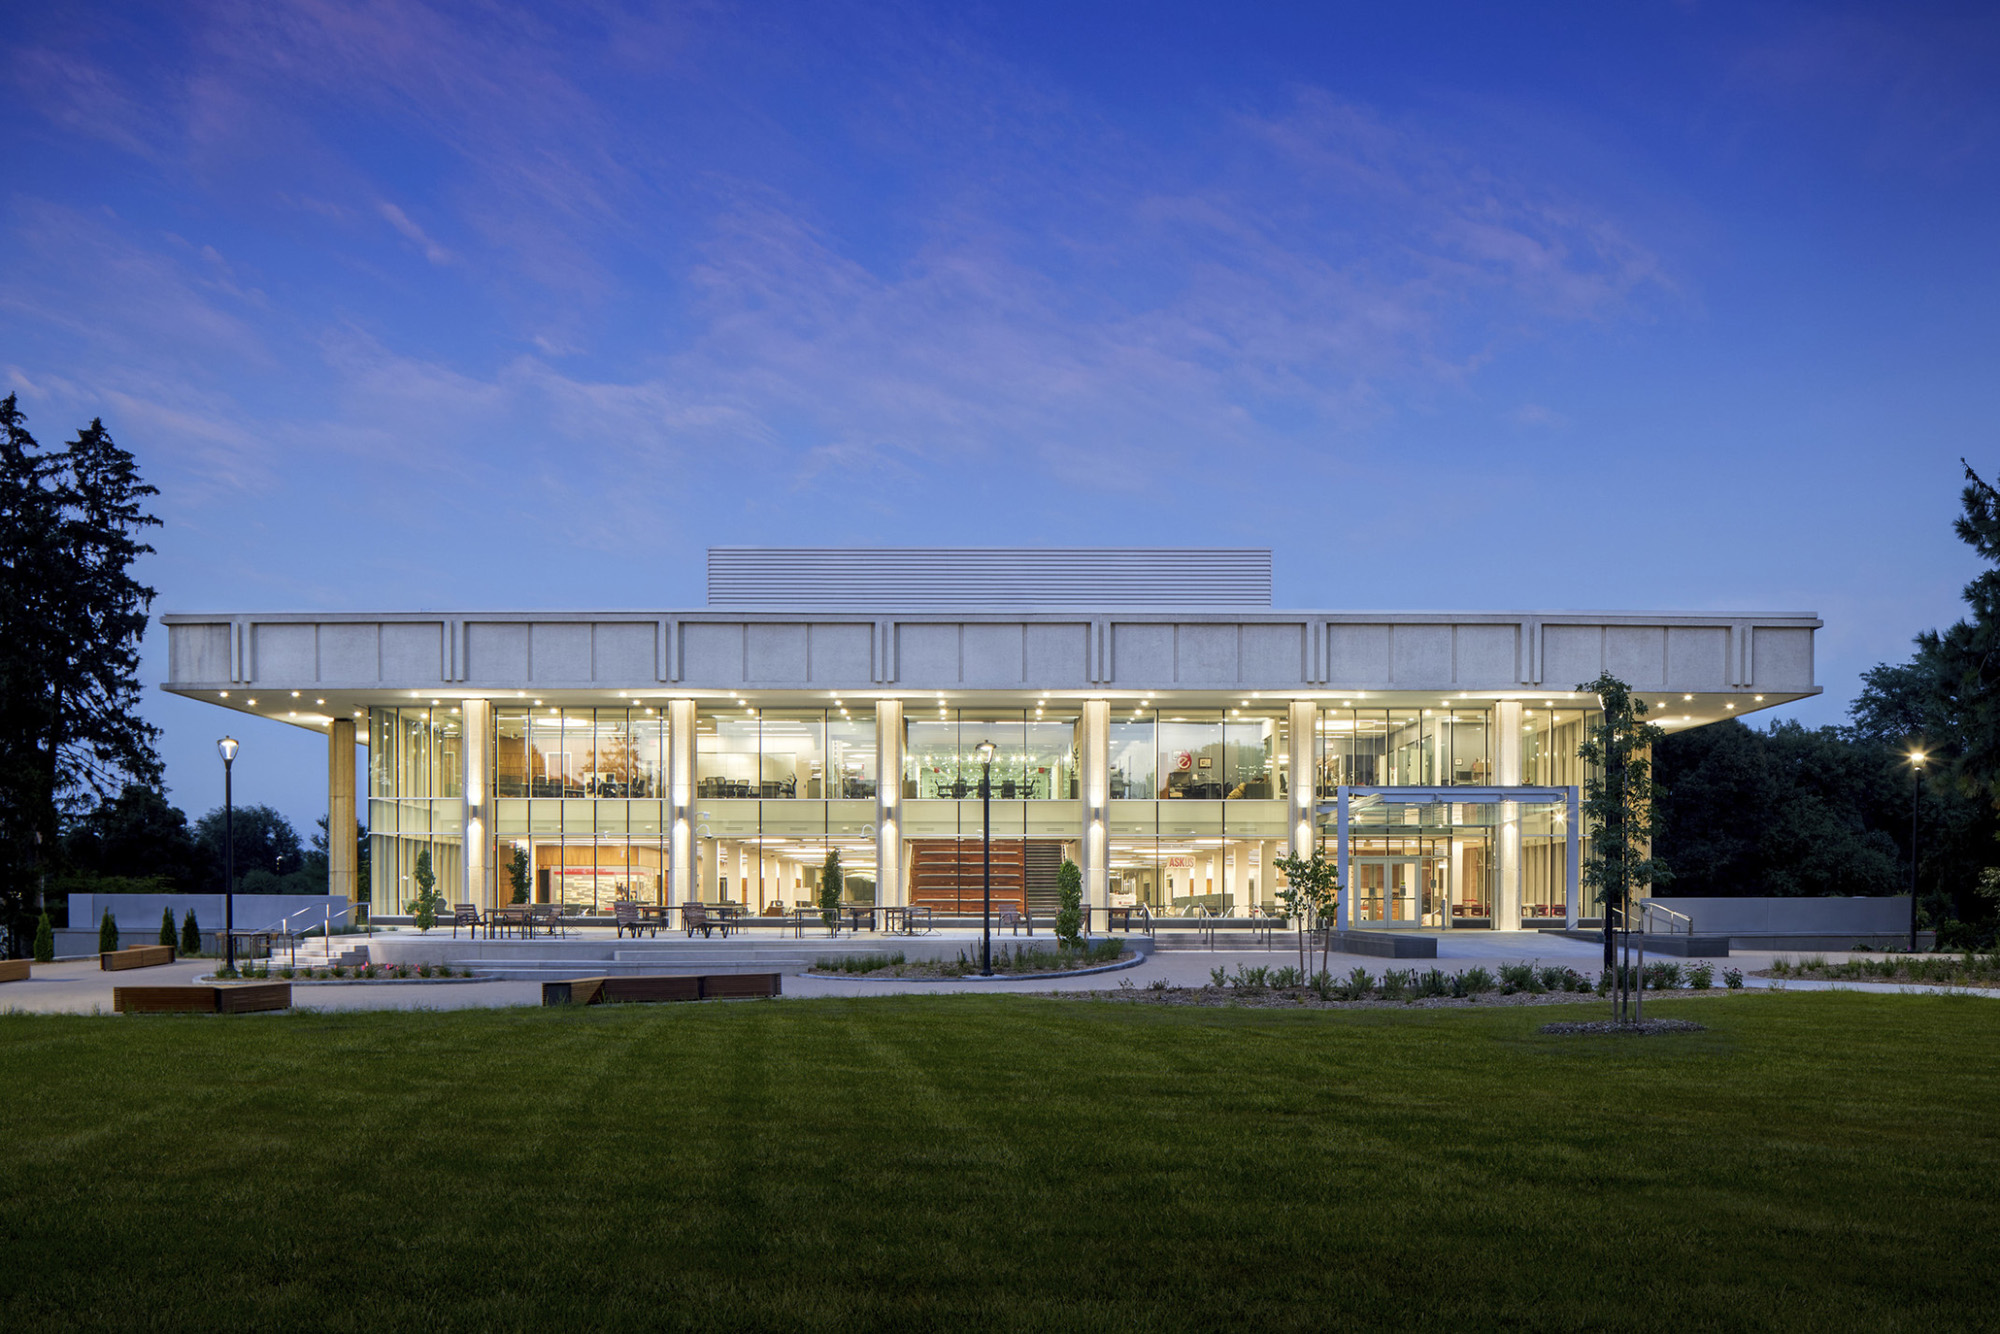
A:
{"x":13,"y":970}
{"x":644,"y":990}
{"x":246,"y":998}
{"x":135,"y":956}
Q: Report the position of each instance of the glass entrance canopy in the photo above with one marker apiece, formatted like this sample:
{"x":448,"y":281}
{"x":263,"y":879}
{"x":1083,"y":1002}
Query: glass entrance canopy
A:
{"x":1444,"y":857}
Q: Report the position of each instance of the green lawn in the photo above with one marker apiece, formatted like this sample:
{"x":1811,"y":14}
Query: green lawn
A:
{"x":1827,"y":1161}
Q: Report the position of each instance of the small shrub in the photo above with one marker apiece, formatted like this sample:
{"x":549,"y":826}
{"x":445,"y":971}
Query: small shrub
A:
{"x":288,"y":973}
{"x":1250,"y":979}
{"x":1157,"y":984}
{"x":1287,"y":978}
{"x":1476,"y":981}
{"x":1732,"y":978}
{"x":107,"y":934}
{"x":1433,"y":982}
{"x":1701,"y":976}
{"x":167,"y":927}
{"x":1396,"y":983}
{"x":1519,"y":977}
{"x":190,"y":935}
{"x":1781,"y":966}
{"x":1322,"y":984}
{"x":339,"y":970}
{"x":45,"y":940}
{"x":1218,"y":977}
{"x":1862,"y":947}
{"x":1662,"y":976}
{"x":1812,"y":963}
{"x":1357,"y":986}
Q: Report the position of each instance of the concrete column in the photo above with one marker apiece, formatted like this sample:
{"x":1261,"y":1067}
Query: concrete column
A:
{"x":1507,"y":773}
{"x":341,"y":867}
{"x":476,"y":865}
{"x":1301,"y":743}
{"x":1094,"y":782}
{"x":680,"y":802}
{"x":889,"y":887}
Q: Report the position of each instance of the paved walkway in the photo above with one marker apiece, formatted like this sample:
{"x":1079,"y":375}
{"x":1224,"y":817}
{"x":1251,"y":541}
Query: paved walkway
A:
{"x":79,"y":987}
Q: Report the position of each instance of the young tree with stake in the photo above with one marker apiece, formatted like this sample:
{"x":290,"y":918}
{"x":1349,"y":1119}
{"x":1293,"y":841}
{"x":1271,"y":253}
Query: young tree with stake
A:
{"x":1619,"y":798}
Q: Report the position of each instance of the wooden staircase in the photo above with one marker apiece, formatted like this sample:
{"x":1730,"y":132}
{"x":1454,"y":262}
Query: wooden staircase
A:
{"x":945,"y":874}
{"x":1041,"y":861}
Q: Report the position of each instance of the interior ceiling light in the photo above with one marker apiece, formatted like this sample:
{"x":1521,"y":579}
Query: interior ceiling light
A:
{"x":253,"y":703}
{"x":1687,"y":697}
{"x":1760,"y":699}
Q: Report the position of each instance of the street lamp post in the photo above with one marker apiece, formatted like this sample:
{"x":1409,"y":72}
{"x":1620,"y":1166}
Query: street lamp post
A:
{"x":227,"y":748}
{"x":1916,"y":796}
{"x":985,"y":750}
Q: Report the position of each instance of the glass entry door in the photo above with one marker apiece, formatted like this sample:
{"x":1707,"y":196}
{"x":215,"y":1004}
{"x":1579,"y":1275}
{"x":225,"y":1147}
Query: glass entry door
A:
{"x":1389,"y":891}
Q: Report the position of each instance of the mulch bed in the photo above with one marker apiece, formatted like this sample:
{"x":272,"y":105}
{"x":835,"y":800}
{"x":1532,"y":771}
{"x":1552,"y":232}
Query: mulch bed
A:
{"x":1643,"y":1028}
{"x":1302,"y":998}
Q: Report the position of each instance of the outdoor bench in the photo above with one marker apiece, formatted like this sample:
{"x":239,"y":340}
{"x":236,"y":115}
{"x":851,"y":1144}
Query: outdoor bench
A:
{"x":13,"y":970}
{"x":135,"y":956}
{"x":629,"y":990}
{"x":246,"y":998}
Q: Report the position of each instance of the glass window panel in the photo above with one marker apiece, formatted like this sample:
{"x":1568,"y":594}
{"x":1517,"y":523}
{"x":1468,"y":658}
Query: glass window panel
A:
{"x":1250,"y":757}
{"x":1467,"y":732}
{"x":649,"y":753}
{"x":930,"y":758}
{"x":611,"y":756}
{"x":1191,"y":761}
{"x":1134,"y":756}
{"x":850,"y":751}
{"x":510,"y":752}
{"x":791,"y":755}
{"x":727,"y":754}
{"x":1051,"y":756}
{"x":1007,"y":730}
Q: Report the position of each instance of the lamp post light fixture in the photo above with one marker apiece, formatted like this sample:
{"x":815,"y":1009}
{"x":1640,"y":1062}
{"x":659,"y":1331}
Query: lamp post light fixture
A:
{"x":227,"y":749}
{"x":1916,"y":796}
{"x":985,"y":752}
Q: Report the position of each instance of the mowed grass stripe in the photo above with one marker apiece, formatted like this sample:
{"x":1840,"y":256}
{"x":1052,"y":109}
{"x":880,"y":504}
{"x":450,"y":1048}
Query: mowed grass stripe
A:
{"x":903,"y":1162}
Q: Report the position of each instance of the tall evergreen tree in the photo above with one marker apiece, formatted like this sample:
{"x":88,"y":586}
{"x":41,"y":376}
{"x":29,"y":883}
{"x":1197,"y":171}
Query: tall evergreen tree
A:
{"x":71,"y":619}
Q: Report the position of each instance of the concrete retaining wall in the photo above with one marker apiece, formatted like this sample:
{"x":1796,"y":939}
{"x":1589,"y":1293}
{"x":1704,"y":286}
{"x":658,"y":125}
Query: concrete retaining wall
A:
{"x":1772,"y":918}
{"x":138,"y":915}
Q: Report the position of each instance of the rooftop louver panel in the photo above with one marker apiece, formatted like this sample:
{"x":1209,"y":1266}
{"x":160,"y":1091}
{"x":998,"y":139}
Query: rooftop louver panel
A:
{"x":882,"y":578}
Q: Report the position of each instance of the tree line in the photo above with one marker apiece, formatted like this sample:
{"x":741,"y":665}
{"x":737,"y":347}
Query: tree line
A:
{"x":1789,"y":809}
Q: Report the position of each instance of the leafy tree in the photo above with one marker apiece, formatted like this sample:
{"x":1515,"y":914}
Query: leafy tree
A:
{"x":138,"y":834}
{"x":107,"y":934}
{"x":190,"y":935}
{"x":1310,"y":894}
{"x":517,"y":874}
{"x":45,"y":940}
{"x":1069,"y":904}
{"x":71,"y":618}
{"x":1619,"y":798}
{"x":425,"y":906}
{"x":1789,"y":810}
{"x":830,"y":886}
{"x":265,"y":841}
{"x":167,"y":926}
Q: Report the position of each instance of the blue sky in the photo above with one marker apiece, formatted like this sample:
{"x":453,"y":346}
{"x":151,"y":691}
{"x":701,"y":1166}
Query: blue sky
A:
{"x":1684,"y":306}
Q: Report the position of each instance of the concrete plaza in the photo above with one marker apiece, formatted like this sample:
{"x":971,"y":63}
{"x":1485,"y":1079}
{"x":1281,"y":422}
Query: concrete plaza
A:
{"x":79,"y":987}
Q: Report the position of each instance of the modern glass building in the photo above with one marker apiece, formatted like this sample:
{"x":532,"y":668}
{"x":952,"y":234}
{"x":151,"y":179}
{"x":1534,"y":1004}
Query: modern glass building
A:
{"x":1153,"y":717}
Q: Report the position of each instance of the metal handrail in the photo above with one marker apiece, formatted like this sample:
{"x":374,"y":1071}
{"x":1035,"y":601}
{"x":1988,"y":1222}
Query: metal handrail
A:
{"x":1685,"y":923}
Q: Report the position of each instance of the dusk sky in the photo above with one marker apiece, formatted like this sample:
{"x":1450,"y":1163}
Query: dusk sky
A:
{"x":1636,"y":306}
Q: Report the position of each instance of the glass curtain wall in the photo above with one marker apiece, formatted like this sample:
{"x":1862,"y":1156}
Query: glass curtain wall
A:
{"x":1550,"y":739}
{"x":1198,"y":808}
{"x":416,"y":789}
{"x":775,"y":789}
{"x":579,"y":805}
{"x":1035,"y":810}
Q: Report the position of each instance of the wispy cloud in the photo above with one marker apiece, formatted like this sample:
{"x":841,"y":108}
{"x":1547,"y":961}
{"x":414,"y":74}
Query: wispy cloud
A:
{"x":400,"y":220}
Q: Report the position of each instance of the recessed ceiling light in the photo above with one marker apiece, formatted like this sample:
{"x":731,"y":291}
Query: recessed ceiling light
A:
{"x":319,"y":701}
{"x":295,"y":694}
{"x":225,"y":694}
{"x":253,"y":703}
